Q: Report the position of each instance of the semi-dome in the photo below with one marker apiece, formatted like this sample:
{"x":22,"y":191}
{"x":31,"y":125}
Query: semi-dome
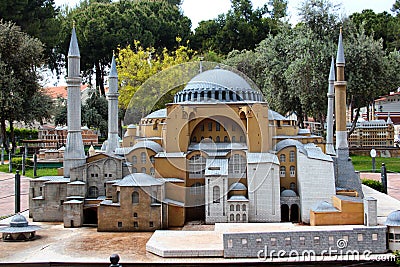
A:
{"x":288,"y":193}
{"x":218,"y":85}
{"x":393,"y":219}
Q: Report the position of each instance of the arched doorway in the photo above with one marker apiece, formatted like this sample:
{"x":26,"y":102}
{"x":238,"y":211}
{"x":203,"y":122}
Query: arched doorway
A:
{"x":284,"y":213}
{"x":294,"y":213}
{"x":90,"y":216}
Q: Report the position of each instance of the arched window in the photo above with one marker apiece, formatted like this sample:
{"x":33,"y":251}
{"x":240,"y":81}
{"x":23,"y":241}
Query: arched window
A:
{"x":292,"y":171}
{"x":231,"y":217}
{"x":282,"y":158}
{"x":152,"y":171}
{"x":135,"y":197}
{"x":293,"y":186}
{"x":225,"y":139}
{"x":134,"y":160}
{"x":143,"y":157}
{"x":194,"y":139}
{"x":217,"y":139}
{"x":238,"y":217}
{"x":93,"y":192}
{"x":244,"y":217}
{"x":291,"y":156}
{"x":244,"y":207}
{"x":232,"y":208}
{"x":233,"y":139}
{"x":152,"y":159}
{"x":237,"y":207}
{"x":282,"y":171}
{"x":216,"y":194}
{"x":143,"y":170}
{"x":134,"y":170}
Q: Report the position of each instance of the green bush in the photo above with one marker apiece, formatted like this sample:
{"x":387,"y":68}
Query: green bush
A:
{"x":17,"y":163}
{"x":373,"y":184}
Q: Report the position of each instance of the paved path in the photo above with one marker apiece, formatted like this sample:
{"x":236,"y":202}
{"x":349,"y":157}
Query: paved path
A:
{"x":393,"y":182}
{"x":7,"y":192}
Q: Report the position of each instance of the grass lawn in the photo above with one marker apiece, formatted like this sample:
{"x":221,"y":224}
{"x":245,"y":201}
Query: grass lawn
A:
{"x":364,"y":164}
{"x":29,"y":172}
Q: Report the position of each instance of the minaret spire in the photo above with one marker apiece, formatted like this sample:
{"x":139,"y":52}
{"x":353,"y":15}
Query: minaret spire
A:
{"x":340,"y":102}
{"x":112,"y":97}
{"x":74,"y":154}
{"x":330,"y":150}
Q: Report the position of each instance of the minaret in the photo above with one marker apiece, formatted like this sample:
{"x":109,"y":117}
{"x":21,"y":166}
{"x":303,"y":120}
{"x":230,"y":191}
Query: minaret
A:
{"x":342,"y":147}
{"x":74,"y":154}
{"x":112,"y":97}
{"x":330,"y":150}
{"x":346,"y":177}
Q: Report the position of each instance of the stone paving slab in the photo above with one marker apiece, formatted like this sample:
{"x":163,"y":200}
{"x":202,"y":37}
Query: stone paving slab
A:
{"x":7,"y":192}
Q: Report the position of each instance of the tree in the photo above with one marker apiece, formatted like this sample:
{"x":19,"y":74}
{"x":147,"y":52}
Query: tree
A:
{"x":95,"y":113}
{"x":381,"y":25}
{"x":241,"y":28}
{"x":38,"y":18}
{"x":20,"y":56}
{"x":104,"y":26}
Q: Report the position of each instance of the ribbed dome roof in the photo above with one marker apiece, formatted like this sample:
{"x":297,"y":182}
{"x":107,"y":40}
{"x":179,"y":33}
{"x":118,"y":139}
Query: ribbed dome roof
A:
{"x":18,"y":221}
{"x":237,"y":186}
{"x":393,"y":219}
{"x":218,"y":85}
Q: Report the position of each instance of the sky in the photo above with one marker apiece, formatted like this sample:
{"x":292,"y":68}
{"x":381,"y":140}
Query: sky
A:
{"x":198,"y":10}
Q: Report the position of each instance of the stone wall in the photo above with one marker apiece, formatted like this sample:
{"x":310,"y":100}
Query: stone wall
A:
{"x":320,"y":242}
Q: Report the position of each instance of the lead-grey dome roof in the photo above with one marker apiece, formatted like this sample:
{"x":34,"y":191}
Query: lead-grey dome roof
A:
{"x":393,"y":219}
{"x":218,"y":85}
{"x":288,"y":193}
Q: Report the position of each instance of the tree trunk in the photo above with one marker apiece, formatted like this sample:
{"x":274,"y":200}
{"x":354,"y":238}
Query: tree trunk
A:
{"x":4,"y":134}
{"x":354,"y":123}
{"x":100,"y":79}
{"x":12,"y":137}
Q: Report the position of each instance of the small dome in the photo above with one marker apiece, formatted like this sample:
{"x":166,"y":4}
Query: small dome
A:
{"x":324,"y":206}
{"x":393,"y":219}
{"x":131,"y":126}
{"x":18,"y":221}
{"x":288,"y":193}
{"x":237,"y":186}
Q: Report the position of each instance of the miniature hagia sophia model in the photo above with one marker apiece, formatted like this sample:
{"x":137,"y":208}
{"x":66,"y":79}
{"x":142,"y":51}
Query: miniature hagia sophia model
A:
{"x":217,"y":154}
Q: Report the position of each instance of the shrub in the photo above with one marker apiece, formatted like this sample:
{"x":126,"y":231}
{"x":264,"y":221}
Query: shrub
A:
{"x":378,"y":186}
{"x":17,"y":163}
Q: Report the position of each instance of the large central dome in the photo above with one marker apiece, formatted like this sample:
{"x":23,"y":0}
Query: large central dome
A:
{"x":218,"y":85}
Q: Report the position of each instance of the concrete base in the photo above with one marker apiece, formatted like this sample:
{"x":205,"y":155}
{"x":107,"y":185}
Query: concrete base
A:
{"x":186,"y":244}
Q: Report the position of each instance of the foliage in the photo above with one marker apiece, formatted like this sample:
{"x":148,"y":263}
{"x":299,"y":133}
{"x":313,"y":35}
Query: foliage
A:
{"x":382,"y":25}
{"x":95,"y":113}
{"x":242,"y":27}
{"x":103,"y":26}
{"x":136,"y":65}
{"x":20,"y":56}
{"x":373,"y":184}
{"x":292,"y":67}
{"x":23,"y":133}
{"x":36,"y":18}
{"x":17,"y":163}
{"x":29,"y":172}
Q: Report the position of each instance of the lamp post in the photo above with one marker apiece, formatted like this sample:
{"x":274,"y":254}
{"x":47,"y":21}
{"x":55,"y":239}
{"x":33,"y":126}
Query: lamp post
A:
{"x":373,"y":155}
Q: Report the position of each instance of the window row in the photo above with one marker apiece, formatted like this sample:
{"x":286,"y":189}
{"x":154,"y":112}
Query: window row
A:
{"x":302,"y":240}
{"x":282,"y":157}
{"x":218,"y":139}
{"x":238,"y":219}
{"x":282,"y":171}
{"x":143,"y":158}
{"x":232,"y":207}
{"x":217,"y":127}
{"x":153,"y":197}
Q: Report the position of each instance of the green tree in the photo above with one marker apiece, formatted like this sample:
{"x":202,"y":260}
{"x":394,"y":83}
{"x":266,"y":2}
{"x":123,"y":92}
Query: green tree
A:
{"x":38,"y":18}
{"x":242,"y":27}
{"x":104,"y":26}
{"x":382,"y":25}
{"x":20,"y":56}
{"x":95,"y":113}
